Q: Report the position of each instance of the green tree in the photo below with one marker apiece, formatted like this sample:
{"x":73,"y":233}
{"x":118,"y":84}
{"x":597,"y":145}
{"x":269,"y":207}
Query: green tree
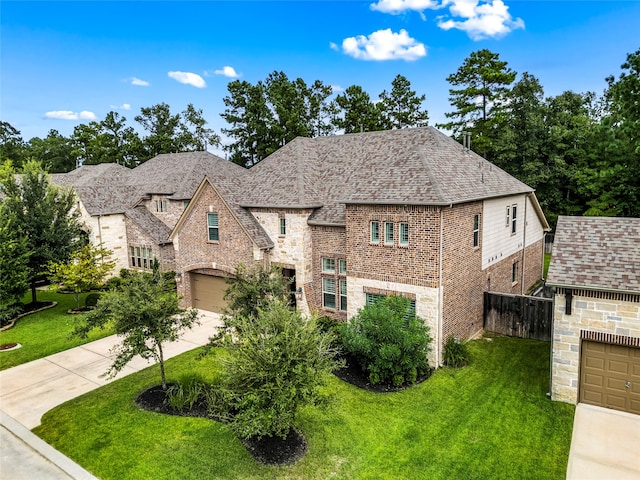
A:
{"x":250,"y":119}
{"x":479,"y":102}
{"x":402,"y":107}
{"x":389,"y":341}
{"x":277,"y":365}
{"x":14,"y":261}
{"x":12,"y":145}
{"x":55,"y":152}
{"x":85,"y":271}
{"x":44,"y":213}
{"x":195,"y":134}
{"x":356,"y":112}
{"x":252,"y":288}
{"x":145,"y":312}
{"x":612,"y":179}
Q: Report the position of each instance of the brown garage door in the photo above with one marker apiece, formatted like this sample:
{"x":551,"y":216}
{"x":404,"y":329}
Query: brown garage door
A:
{"x":610,"y":376}
{"x":207,"y":292}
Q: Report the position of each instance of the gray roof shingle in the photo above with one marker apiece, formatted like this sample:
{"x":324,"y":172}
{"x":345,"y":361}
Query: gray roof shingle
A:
{"x":598,"y":253}
{"x":407,"y":166}
{"x":149,"y":223}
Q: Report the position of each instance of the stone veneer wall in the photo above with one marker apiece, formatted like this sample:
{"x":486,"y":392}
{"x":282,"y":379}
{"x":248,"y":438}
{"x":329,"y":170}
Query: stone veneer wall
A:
{"x":462,"y":276}
{"x":604,"y":312}
{"x":111,"y":231}
{"x":195,"y":251}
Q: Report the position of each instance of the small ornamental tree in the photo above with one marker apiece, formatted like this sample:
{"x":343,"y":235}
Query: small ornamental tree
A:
{"x":252,"y":288}
{"x":86,"y":271}
{"x":389,"y":341}
{"x":145,"y":312}
{"x":277,"y":364}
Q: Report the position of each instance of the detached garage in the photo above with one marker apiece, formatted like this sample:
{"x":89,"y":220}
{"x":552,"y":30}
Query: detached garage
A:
{"x":207,"y":292}
{"x":595,"y":274}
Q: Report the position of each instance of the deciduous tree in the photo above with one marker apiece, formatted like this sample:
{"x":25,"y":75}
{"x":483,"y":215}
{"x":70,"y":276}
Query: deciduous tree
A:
{"x":144,"y":311}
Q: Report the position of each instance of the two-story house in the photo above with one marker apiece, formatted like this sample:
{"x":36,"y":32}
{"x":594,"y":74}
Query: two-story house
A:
{"x":405,"y":212}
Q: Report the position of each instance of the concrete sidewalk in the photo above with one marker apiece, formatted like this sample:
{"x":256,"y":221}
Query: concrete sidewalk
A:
{"x":605,"y":445}
{"x":31,"y":389}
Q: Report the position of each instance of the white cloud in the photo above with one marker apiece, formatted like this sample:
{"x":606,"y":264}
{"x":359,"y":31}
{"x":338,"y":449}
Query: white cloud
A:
{"x":138,"y":82}
{"x":188,"y":78}
{"x":69,"y":115}
{"x":336,"y":89}
{"x":395,"y":7}
{"x":124,"y":106}
{"x":481,"y":20}
{"x":227,"y":71}
{"x":384,"y":45}
{"x":334,"y":46}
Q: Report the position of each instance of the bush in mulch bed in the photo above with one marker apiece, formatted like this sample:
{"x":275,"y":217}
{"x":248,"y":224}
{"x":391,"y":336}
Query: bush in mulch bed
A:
{"x":267,"y":450}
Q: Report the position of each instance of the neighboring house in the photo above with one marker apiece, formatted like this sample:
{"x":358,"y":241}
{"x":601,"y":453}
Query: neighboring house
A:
{"x":132,"y":211}
{"x":595,"y":271}
{"x":349,"y":218}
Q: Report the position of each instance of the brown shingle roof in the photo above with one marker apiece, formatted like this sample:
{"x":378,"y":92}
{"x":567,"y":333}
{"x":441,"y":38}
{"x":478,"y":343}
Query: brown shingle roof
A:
{"x":407,"y":166}
{"x":599,"y":253}
{"x":150,"y":224}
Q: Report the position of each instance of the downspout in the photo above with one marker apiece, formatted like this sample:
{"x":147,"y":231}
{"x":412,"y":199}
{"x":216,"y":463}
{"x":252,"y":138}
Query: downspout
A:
{"x":524,"y":246}
{"x":440,"y":292}
{"x":100,"y":229}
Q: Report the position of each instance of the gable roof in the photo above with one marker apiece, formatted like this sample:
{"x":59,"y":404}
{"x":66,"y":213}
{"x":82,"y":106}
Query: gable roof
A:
{"x":151,"y":224}
{"x":247,"y":221}
{"x":598,"y":253}
{"x":417,"y":166}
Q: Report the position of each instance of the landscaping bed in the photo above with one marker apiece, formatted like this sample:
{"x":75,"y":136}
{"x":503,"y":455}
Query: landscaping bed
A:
{"x":491,"y":419}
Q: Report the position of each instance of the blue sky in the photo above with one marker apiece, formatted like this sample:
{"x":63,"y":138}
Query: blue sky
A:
{"x":65,"y":63}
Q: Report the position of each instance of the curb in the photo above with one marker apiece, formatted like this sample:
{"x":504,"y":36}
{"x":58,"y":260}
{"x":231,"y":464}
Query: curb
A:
{"x":43,"y":449}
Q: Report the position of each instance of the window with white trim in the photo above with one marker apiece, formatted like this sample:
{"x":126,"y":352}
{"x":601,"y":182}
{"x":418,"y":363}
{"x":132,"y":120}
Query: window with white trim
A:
{"x":476,"y":230}
{"x":514,"y":218}
{"x":283,"y":226}
{"x":388,"y":233}
{"x":328,"y":265}
{"x":141,"y":257}
{"x":514,"y":272}
{"x":342,"y":266}
{"x":343,"y":294}
{"x":161,"y":206}
{"x":375,"y":232}
{"x":328,"y":292}
{"x":404,"y":233}
{"x":508,"y":222}
{"x":213,"y":227}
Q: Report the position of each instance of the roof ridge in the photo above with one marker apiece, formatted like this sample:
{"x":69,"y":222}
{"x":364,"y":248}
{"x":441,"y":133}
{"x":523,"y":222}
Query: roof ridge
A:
{"x":432,"y":178}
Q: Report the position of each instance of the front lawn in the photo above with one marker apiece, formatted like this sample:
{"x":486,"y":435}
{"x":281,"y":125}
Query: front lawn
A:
{"x":46,"y":332}
{"x":490,"y":420}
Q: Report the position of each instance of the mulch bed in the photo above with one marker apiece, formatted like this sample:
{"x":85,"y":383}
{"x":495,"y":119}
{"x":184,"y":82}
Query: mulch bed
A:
{"x":271,"y":450}
{"x":27,"y":308}
{"x":352,"y":373}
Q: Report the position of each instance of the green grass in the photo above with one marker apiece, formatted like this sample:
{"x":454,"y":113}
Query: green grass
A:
{"x":490,"y":420}
{"x":547,"y":262}
{"x":46,"y":332}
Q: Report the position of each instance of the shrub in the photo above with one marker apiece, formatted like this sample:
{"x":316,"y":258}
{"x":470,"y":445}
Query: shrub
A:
{"x":277,"y":364}
{"x":333,"y":328}
{"x":389,"y":341}
{"x":456,"y":353}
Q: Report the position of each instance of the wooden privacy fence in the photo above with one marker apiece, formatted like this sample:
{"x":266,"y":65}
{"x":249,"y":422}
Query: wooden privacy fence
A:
{"x":518,"y":315}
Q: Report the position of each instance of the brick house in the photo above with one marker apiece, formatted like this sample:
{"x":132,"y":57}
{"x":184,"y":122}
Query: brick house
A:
{"x":595,"y":273}
{"x":132,"y":211}
{"x":406,"y":212}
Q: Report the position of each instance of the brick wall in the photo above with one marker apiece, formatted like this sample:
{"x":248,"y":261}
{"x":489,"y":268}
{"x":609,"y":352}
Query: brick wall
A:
{"x":414,"y":264}
{"x":534,"y":260}
{"x":462,"y":276}
{"x":137,"y":237}
{"x":329,"y":242}
{"x":195,"y":251}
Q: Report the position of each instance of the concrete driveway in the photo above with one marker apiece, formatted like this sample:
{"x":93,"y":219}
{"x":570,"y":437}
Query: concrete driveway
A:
{"x":32,"y":389}
{"x":605,"y":445}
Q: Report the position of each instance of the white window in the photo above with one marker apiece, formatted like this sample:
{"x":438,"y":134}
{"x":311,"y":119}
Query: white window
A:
{"x":328,"y":265}
{"x":141,"y":257}
{"x":328,"y":292}
{"x":375,"y":232}
{"x":508,"y":222}
{"x":342,"y":266}
{"x":161,"y":206}
{"x":514,"y":218}
{"x":514,"y":272}
{"x":283,"y":226}
{"x":388,"y":233}
{"x":212,"y":225}
{"x":404,"y":233}
{"x":343,"y":294}
{"x":476,"y":230}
